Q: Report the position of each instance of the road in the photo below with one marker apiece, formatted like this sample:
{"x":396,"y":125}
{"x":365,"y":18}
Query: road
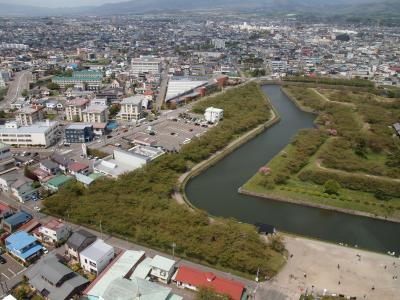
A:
{"x":121,"y":244}
{"x":16,"y":87}
{"x":163,"y":88}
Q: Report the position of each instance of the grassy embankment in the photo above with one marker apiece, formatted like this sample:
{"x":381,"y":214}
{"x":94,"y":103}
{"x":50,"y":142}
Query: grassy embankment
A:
{"x":352,"y":145}
{"x":139,"y":206}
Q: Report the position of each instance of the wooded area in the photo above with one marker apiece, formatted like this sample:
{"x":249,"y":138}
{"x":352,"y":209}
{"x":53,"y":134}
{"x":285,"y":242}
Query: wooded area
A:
{"x":139,"y":207}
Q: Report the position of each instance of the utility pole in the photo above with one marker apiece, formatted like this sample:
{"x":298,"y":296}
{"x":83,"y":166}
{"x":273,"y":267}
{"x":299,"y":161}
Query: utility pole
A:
{"x":257,"y":280}
{"x":101,"y":231}
{"x":173,"y":249}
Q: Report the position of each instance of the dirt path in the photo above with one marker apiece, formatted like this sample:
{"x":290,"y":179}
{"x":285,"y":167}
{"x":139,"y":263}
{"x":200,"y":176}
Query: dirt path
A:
{"x":325,"y":265}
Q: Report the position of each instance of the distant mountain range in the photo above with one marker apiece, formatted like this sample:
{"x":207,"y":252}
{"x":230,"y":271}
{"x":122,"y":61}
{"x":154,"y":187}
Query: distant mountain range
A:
{"x":321,"y":7}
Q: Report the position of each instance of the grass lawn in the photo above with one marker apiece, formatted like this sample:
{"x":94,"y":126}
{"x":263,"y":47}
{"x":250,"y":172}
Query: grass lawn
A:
{"x":333,"y":158}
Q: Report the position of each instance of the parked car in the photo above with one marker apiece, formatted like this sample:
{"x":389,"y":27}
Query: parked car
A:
{"x":45,"y":250}
{"x":2,"y":260}
{"x":37,"y":208}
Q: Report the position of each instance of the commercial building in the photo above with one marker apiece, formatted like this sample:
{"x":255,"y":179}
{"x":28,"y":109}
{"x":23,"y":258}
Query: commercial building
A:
{"x":96,"y":257}
{"x":146,"y":64}
{"x":43,"y":134}
{"x":53,"y":280}
{"x":74,"y":109}
{"x":86,"y":79}
{"x":180,"y":86}
{"x":79,"y":133}
{"x":131,"y":108}
{"x":7,"y":161}
{"x":95,"y":113}
{"x":213,"y":114}
{"x":28,"y":116}
{"x":123,"y":161}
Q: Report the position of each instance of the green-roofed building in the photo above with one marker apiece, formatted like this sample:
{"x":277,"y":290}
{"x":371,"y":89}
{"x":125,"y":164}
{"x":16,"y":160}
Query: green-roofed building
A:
{"x":55,"y":183}
{"x":92,"y":80}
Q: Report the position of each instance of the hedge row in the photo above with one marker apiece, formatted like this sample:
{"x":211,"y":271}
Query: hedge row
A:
{"x":353,"y":181}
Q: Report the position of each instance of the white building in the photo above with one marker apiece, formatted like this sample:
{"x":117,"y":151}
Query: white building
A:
{"x":28,"y":116}
{"x":181,"y":86}
{"x":131,"y":108}
{"x":74,"y":109}
{"x":162,"y":268}
{"x":96,"y":257}
{"x":54,"y":232}
{"x":95,"y":114}
{"x":123,"y":161}
{"x":7,"y":161}
{"x":43,"y":134}
{"x":213,"y":114}
{"x":146,"y":64}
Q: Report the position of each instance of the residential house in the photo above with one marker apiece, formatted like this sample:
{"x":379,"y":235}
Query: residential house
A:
{"x":49,"y":166}
{"x":5,"y":211}
{"x":54,"y":232}
{"x":96,"y":257}
{"x":23,"y":246}
{"x":162,"y":268}
{"x":78,"y":167}
{"x":23,"y":190}
{"x":53,"y":280}
{"x":120,"y":281}
{"x":56,"y":182}
{"x":77,"y":242}
{"x":12,"y":222}
{"x":190,"y":278}
{"x":62,"y":161}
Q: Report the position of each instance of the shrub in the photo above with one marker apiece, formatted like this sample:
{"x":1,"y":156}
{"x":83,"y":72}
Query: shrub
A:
{"x":331,"y":187}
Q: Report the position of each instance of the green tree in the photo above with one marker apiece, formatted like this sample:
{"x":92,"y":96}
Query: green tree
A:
{"x":53,"y":86}
{"x":210,"y":294}
{"x":76,"y":118}
{"x":277,"y":242}
{"x":25,"y":93}
{"x":332,"y":187}
{"x":114,"y":110}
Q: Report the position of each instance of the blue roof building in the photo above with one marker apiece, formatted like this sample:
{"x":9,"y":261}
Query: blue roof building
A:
{"x":23,"y":246}
{"x":12,"y":223}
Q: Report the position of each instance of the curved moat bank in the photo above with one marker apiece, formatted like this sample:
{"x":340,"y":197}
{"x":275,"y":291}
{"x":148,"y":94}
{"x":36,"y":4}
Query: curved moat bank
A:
{"x":216,"y":190}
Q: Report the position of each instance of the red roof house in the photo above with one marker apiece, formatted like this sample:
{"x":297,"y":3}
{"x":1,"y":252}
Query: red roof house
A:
{"x":78,"y":167}
{"x":192,"y":278}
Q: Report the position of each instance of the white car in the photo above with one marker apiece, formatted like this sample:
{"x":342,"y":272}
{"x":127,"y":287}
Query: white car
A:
{"x":45,"y":250}
{"x":37,"y":208}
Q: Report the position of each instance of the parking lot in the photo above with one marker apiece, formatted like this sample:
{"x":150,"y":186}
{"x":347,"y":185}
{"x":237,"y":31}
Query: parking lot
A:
{"x":11,"y":272}
{"x":172,"y":135}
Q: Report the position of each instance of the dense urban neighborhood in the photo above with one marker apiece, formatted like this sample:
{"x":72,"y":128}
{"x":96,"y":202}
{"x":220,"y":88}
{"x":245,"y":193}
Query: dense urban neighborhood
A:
{"x":106,"y":122}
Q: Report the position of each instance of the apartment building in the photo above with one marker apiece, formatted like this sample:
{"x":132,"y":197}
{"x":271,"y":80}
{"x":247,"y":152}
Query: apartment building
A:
{"x":95,"y":114}
{"x":131,"y":108}
{"x":28,"y":115}
{"x":74,"y":109}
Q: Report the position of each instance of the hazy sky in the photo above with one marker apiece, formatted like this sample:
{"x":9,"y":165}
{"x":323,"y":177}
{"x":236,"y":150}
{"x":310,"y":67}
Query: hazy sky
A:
{"x":60,"y":3}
